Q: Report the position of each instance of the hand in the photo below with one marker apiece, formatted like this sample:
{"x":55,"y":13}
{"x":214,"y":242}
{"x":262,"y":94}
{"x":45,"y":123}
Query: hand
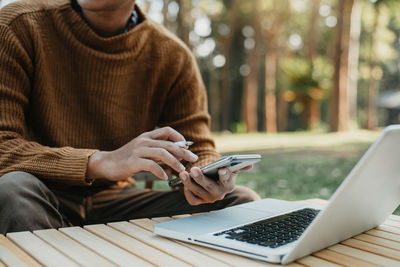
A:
{"x":203,"y":190}
{"x":141,"y":154}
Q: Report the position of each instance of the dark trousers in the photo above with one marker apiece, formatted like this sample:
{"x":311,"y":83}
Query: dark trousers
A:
{"x":27,"y":203}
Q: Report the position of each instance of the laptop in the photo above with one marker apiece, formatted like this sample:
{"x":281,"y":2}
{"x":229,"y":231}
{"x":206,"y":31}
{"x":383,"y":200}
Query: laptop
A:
{"x":281,"y":231}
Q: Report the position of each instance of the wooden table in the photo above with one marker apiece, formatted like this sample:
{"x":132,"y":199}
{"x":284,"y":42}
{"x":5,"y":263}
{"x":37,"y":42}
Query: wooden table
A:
{"x":134,"y":244}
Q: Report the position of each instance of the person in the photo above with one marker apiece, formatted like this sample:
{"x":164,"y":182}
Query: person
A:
{"x":91,"y":93}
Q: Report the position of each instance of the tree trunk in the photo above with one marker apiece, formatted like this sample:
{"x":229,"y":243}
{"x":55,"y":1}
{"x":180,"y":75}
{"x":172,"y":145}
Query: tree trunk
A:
{"x":373,"y":82}
{"x":312,"y":51}
{"x":282,"y":115}
{"x":354,"y":54}
{"x":226,"y":77}
{"x":312,"y":108}
{"x":251,"y":86}
{"x":339,"y":105}
{"x":214,"y":100}
{"x":270,"y":85}
{"x":183,"y":32}
{"x":165,"y":13}
{"x":276,"y":17}
{"x":146,"y":7}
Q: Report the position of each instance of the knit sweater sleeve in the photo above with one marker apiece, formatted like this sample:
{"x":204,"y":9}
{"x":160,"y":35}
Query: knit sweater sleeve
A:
{"x":17,"y":152}
{"x":186,"y":111}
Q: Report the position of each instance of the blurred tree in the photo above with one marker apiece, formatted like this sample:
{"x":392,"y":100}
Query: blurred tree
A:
{"x":251,"y":82}
{"x":312,"y":110}
{"x":381,"y":36}
{"x":339,"y":103}
{"x":374,"y":68}
{"x":226,"y":76}
{"x":183,"y":31}
{"x":354,"y":53}
{"x":373,"y":82}
{"x":165,"y":12}
{"x":276,"y":14}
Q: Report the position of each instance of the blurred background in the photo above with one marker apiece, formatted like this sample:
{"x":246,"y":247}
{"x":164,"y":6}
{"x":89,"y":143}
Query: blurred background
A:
{"x":288,"y":65}
{"x":308,"y":84}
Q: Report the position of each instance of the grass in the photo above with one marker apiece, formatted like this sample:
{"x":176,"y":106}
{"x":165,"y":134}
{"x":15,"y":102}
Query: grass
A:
{"x":296,"y":166}
{"x":301,"y":173}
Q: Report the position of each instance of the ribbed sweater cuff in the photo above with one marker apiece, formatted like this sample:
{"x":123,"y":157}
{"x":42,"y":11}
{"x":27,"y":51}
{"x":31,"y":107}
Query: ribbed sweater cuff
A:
{"x":70,"y":168}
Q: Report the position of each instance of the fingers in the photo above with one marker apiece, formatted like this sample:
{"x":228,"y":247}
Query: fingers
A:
{"x":151,"y":166}
{"x":162,"y":137}
{"x":191,"y":198}
{"x":249,"y":167}
{"x":197,"y":194}
{"x":141,"y":154}
{"x":166,"y":133}
{"x":200,"y":189}
{"x":209,"y":185}
{"x":178,"y":152}
{"x":227,"y":179}
{"x":161,"y":154}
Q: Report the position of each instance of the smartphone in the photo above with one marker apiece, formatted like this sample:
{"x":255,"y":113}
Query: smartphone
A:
{"x":232,"y":162}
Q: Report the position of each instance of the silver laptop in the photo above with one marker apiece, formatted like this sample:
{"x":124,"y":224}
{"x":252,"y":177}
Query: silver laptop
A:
{"x":281,"y":231}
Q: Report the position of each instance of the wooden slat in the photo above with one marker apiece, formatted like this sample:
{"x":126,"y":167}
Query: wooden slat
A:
{"x":40,"y":250}
{"x":341,"y":259}
{"x":186,"y":254}
{"x":389,"y":229}
{"x":316,"y":262}
{"x":363,"y":255}
{"x":180,"y":216}
{"x":102,"y":247}
{"x":2,"y":264}
{"x":8,"y":257}
{"x":163,"y":219}
{"x":73,"y":249}
{"x":384,"y":234}
{"x":293,"y":264}
{"x":375,"y":249}
{"x":378,"y":241}
{"x":12,"y":255}
{"x":134,"y":246}
{"x":226,"y":257}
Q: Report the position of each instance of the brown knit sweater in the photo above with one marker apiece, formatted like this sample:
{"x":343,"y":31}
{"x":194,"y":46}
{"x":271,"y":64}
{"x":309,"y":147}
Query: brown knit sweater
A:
{"x":66,"y":92}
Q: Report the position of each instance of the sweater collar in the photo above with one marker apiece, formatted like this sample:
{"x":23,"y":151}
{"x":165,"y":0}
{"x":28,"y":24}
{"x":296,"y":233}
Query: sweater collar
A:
{"x":131,"y":23}
{"x":73,"y":27}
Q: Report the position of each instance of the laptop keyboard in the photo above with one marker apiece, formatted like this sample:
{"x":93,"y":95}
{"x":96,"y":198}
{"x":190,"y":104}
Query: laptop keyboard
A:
{"x":273,"y":232}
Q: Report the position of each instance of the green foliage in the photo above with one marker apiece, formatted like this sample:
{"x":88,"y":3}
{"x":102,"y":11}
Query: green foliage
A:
{"x":298,"y":73}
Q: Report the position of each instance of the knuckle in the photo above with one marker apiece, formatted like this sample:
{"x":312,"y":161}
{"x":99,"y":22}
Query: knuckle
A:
{"x":177,"y":164}
{"x":161,"y":152}
{"x":167,"y":129}
{"x":149,"y":165}
{"x":142,"y":141}
{"x":170,"y":146}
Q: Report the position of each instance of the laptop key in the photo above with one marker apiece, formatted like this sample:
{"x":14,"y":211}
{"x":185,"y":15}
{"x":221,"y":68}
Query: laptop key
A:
{"x":273,"y":232}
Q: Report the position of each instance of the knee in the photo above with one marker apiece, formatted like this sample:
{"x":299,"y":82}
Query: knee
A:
{"x":17,"y":189}
{"x":14,"y":183}
{"x":22,"y":198}
{"x":246,"y":194}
